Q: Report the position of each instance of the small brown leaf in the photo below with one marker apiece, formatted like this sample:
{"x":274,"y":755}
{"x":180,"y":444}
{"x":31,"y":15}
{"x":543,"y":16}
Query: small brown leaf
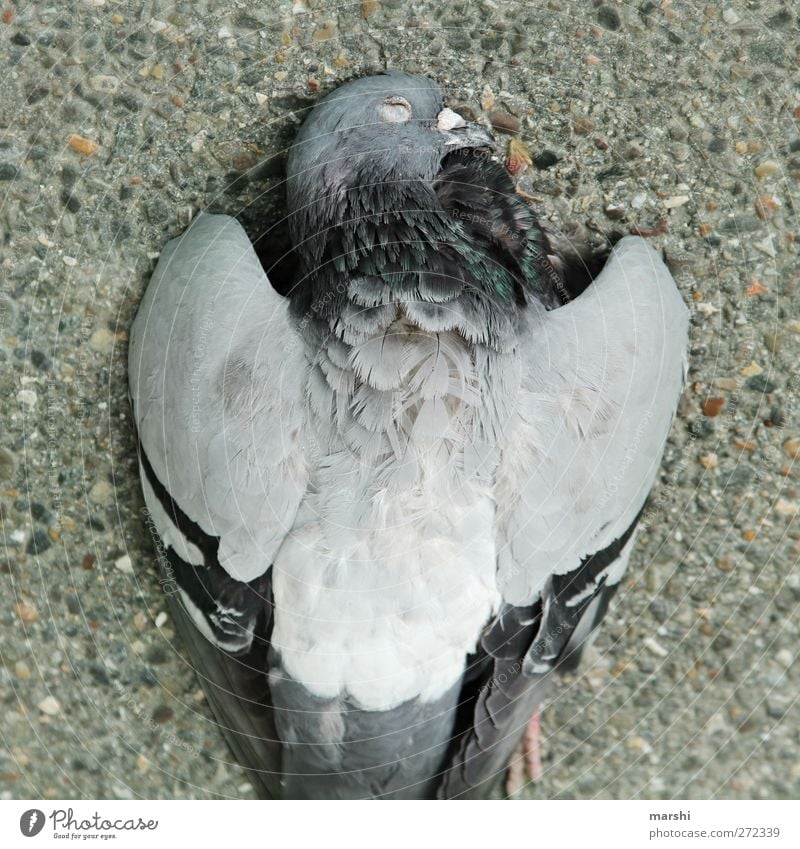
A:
{"x":519,"y":159}
{"x":504,"y":122}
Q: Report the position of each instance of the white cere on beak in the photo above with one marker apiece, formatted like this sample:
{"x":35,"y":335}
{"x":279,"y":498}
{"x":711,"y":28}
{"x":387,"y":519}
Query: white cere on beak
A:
{"x":394,"y":110}
{"x":448,"y":120}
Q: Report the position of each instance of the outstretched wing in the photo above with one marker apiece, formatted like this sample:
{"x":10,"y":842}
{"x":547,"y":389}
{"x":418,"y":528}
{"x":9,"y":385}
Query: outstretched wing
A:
{"x":216,"y":382}
{"x":601,"y":381}
{"x":216,"y":375}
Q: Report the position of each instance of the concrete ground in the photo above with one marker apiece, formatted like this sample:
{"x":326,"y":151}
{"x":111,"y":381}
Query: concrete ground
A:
{"x":119,"y":123}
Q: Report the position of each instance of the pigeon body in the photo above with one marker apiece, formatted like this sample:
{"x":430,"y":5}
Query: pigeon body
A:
{"x":394,"y":503}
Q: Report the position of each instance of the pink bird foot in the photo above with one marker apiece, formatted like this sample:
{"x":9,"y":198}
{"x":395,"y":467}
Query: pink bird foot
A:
{"x":526,"y":762}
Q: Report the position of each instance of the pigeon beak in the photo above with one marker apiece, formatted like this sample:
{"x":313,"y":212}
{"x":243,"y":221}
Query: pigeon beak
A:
{"x":459,"y":133}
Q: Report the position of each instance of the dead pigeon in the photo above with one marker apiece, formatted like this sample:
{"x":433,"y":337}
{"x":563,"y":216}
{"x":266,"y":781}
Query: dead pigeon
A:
{"x":396,"y":503}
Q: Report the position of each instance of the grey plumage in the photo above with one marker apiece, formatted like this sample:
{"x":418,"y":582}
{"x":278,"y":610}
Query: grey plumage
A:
{"x":399,"y":499}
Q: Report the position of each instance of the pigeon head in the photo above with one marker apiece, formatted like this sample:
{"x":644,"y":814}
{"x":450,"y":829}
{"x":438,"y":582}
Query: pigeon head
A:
{"x":388,"y":202}
{"x":384,"y":131}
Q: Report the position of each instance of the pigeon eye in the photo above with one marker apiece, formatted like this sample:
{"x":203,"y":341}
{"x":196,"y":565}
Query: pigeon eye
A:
{"x":394,"y":110}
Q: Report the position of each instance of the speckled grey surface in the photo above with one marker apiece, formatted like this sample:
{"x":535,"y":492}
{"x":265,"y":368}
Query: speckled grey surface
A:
{"x":673,"y":110}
